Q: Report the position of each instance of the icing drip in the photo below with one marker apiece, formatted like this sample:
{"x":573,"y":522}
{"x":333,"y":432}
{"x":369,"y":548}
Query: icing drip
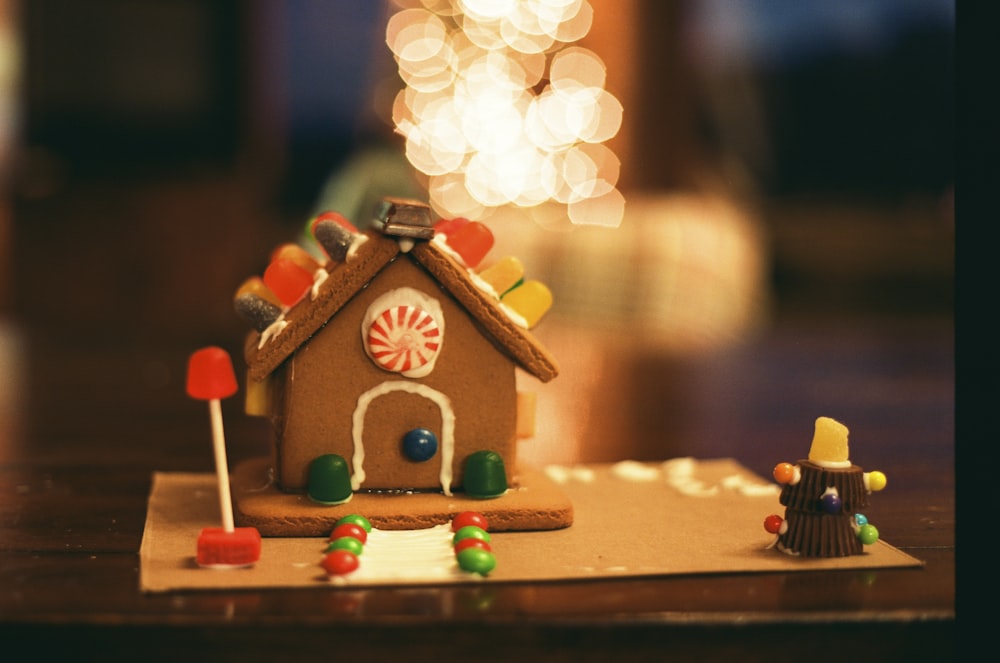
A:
{"x":272,"y":331}
{"x":319,"y":278}
{"x":447,"y":428}
{"x":359,"y":239}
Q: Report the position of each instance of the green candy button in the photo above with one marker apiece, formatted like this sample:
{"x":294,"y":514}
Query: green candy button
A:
{"x":329,"y":480}
{"x":485,"y":475}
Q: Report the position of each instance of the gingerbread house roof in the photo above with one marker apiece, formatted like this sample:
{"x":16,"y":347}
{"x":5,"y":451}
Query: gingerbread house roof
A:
{"x":347,"y":278}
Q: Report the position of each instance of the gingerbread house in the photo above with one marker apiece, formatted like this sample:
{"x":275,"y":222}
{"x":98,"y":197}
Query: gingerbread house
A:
{"x":392,"y":359}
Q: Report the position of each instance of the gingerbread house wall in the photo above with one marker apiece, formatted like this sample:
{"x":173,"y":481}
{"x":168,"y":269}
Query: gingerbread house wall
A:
{"x":325,"y":378}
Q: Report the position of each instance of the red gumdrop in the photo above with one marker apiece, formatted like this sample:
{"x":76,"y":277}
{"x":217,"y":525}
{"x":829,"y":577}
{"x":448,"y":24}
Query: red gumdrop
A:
{"x":210,"y":374}
{"x":287,"y":280}
{"x":472,"y":241}
{"x":340,"y":562}
{"x":469,"y":518}
{"x":349,"y":529}
{"x":336,"y":217}
{"x":773,"y":523}
{"x":472,"y":542}
{"x":448,"y":226}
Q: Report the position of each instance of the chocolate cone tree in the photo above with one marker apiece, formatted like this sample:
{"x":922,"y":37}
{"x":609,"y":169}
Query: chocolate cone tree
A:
{"x":823,"y":496}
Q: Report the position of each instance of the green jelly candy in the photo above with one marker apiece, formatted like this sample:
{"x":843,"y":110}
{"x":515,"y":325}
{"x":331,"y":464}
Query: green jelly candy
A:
{"x":476,"y":560}
{"x":348,"y":543}
{"x":355,"y":519}
{"x":485,"y":475}
{"x":329,"y":480}
{"x":470,"y":532}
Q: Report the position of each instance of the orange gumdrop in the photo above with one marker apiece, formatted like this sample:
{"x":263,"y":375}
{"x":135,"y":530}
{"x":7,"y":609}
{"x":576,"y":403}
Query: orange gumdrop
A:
{"x":296,"y":254}
{"x":783,"y":472}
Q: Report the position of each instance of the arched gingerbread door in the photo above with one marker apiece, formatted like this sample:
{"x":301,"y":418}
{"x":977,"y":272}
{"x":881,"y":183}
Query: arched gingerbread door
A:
{"x":383,"y":417}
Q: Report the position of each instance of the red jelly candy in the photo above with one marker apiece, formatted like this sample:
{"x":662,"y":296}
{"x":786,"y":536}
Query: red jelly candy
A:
{"x":287,"y":280}
{"x":469,"y":518}
{"x":340,"y":562}
{"x":448,"y":226}
{"x":472,"y":241}
{"x":210,"y":374}
{"x":351,"y":530}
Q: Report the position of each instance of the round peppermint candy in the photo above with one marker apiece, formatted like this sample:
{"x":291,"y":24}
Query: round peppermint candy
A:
{"x":403,"y":338}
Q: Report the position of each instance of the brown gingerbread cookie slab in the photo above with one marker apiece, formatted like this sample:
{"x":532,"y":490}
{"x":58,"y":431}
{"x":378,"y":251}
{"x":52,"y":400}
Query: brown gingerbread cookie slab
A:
{"x":537,"y":503}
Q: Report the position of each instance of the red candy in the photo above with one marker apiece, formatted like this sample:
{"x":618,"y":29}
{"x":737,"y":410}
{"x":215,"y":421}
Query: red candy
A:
{"x":340,"y":562}
{"x":287,"y":280}
{"x":448,"y":226}
{"x":351,"y":530}
{"x":210,"y":374}
{"x":296,"y":254}
{"x":472,"y":242}
{"x":469,"y":518}
{"x":472,"y":542}
{"x":773,"y":523}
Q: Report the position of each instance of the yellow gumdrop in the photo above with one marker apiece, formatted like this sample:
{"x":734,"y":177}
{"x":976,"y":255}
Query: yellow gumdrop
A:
{"x":530,"y":300}
{"x":503,"y":275}
{"x":257,"y":402}
{"x":829,"y":444}
{"x":876,"y":481}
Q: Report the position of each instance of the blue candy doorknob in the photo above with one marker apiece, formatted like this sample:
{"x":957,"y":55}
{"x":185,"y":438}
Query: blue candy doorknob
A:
{"x":420,"y":444}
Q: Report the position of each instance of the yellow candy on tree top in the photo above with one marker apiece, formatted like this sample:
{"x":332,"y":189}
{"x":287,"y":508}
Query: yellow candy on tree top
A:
{"x":829,"y":444}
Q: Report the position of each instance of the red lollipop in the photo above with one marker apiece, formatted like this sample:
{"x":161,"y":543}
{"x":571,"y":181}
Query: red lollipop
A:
{"x":210,"y":374}
{"x":211,"y":378}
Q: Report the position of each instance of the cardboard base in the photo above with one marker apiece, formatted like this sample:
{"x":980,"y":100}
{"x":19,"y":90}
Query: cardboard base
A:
{"x":682,"y":516}
{"x":537,"y":503}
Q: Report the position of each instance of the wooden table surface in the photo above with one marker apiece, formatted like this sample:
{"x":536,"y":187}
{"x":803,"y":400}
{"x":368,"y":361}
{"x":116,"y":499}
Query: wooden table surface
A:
{"x":92,"y":403}
{"x":96,"y":421}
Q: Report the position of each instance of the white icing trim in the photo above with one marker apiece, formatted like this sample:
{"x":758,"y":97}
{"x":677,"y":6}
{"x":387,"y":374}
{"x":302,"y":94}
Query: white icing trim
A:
{"x":272,"y":330}
{"x":483,"y":285}
{"x":319,"y":277}
{"x":831,"y":463}
{"x":356,"y":243}
{"x":447,"y":428}
{"x":514,"y":316}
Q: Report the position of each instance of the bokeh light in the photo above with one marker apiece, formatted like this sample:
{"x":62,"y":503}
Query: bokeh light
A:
{"x":500,"y":109}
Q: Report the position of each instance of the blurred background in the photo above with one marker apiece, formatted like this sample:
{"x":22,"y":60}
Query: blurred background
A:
{"x":784,"y":163}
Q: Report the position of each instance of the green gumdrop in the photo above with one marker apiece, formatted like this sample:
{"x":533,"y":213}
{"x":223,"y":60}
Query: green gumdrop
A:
{"x":329,"y":480}
{"x":485,"y":475}
{"x":470,"y":531}
{"x":867,"y":534}
{"x":348,"y":543}
{"x":476,"y":560}
{"x":355,"y":519}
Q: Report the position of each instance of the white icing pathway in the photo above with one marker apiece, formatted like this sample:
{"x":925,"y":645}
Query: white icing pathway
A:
{"x":419,"y":555}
